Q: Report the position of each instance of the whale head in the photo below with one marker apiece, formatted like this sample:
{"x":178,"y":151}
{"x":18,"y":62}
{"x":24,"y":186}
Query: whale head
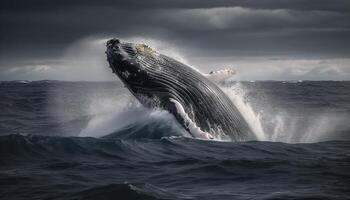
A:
{"x":127,"y":61}
{"x":122,"y":60}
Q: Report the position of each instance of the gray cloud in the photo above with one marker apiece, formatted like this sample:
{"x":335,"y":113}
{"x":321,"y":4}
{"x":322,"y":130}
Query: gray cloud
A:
{"x":43,"y":5}
{"x":238,"y":18}
{"x":39,"y":32}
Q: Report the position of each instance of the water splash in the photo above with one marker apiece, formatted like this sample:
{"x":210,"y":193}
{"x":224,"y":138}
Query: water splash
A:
{"x":97,"y":110}
{"x":281,"y":124}
{"x":240,"y":100}
{"x":108,"y":116}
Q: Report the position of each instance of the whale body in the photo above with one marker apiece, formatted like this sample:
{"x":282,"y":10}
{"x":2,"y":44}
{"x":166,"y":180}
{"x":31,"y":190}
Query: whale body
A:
{"x":157,"y":80}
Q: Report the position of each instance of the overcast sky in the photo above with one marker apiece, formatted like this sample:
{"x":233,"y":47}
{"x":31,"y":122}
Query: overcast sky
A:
{"x":260,"y":39}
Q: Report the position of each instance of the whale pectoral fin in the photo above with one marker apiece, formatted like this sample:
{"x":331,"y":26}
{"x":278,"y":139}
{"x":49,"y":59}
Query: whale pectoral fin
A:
{"x":172,"y":108}
{"x":178,"y":112}
{"x":220,"y":75}
{"x":175,"y":108}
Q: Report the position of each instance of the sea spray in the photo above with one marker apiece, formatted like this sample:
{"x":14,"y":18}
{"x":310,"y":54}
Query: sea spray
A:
{"x":275,"y":119}
{"x":273,"y":110}
{"x":238,"y":96}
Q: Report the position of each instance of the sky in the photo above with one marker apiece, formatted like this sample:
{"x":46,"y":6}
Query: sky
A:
{"x":260,"y":39}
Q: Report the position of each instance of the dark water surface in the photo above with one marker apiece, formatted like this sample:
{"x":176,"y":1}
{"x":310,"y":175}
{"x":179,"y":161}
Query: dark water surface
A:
{"x":134,"y":153}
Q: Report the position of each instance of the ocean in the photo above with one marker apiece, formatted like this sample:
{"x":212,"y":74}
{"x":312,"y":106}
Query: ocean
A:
{"x":93,"y":140}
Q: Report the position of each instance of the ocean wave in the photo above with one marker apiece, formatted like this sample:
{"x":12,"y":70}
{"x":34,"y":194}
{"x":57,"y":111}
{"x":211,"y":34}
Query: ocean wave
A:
{"x":113,"y":191}
{"x":276,"y":111}
{"x":169,"y":168}
{"x":16,"y":145}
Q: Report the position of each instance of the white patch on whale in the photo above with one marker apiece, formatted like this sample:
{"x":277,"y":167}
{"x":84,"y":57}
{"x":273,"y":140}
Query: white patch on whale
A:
{"x":192,"y":126}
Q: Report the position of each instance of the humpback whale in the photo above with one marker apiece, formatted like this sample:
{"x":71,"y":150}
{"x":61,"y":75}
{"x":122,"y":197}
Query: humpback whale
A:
{"x":196,"y":102}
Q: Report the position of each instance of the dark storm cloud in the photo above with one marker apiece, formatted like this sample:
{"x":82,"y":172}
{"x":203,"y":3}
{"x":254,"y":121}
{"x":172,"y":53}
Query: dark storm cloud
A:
{"x":41,"y":30}
{"x":40,"y":5}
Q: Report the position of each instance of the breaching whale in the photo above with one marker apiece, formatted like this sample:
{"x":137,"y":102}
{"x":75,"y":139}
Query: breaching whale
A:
{"x":157,"y":80}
